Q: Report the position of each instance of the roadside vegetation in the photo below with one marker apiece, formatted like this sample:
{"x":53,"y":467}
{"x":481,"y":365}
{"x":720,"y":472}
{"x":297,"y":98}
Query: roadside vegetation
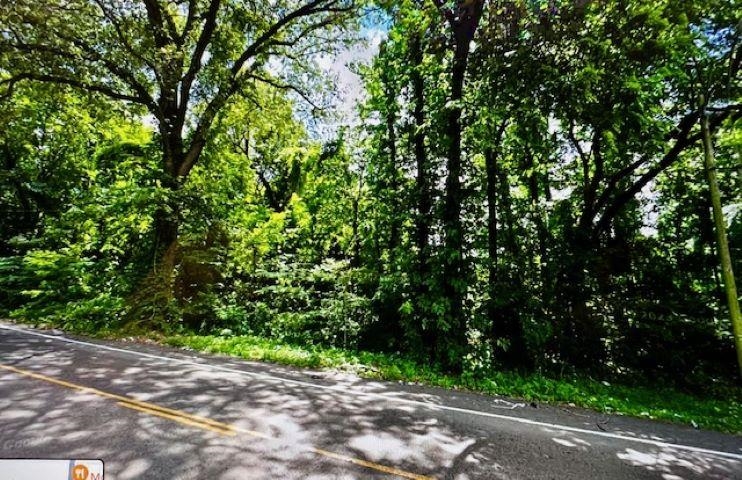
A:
{"x":713,"y":411}
{"x":540,"y":199}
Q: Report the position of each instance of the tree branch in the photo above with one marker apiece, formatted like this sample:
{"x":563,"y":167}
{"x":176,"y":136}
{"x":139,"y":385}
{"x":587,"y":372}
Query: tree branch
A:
{"x":91,"y":87}
{"x":684,"y":140}
{"x":285,"y":86}
{"x":264,"y":39}
{"x":194,"y":65}
{"x":154,"y":14}
{"x":116,"y":23}
{"x":237,"y":75}
{"x":190,"y":21}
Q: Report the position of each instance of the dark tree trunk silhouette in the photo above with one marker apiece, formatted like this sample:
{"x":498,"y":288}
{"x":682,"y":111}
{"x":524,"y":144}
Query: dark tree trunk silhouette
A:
{"x":423,"y":220}
{"x":463,"y":20}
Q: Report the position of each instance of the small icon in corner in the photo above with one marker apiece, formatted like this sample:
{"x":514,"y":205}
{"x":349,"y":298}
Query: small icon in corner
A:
{"x":80,"y":472}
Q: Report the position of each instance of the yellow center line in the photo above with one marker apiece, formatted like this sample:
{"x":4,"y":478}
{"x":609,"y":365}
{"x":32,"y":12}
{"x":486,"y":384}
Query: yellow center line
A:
{"x":205,"y":423}
{"x":130,"y":402}
{"x":223,"y":431}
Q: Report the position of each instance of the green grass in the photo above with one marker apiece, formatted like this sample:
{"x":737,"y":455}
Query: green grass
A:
{"x":640,"y":401}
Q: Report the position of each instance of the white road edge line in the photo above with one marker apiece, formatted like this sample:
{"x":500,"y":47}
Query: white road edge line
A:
{"x":432,"y":406}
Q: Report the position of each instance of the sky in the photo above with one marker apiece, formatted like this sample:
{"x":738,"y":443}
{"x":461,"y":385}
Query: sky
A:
{"x":349,"y":89}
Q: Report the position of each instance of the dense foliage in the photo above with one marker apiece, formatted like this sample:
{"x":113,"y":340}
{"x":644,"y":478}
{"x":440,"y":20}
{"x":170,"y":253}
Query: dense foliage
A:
{"x":526,"y":189}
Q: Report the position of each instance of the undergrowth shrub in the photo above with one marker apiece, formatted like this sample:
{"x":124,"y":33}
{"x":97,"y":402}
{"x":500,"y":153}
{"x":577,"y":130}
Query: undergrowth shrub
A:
{"x":299,"y":302}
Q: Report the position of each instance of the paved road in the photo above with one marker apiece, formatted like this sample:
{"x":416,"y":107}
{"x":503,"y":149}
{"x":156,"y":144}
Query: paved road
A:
{"x":152,"y":412}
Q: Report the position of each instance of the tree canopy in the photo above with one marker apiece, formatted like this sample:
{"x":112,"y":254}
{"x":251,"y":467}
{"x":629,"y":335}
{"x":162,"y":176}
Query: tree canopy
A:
{"x":526,"y":188}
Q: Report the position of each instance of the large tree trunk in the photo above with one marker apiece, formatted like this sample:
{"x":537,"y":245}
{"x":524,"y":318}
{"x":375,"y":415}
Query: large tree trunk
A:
{"x":424,"y":202}
{"x":454,"y":274}
{"x":167,"y":217}
{"x":166,"y":233}
{"x":464,"y":20}
{"x":156,"y":295}
{"x":426,"y":331}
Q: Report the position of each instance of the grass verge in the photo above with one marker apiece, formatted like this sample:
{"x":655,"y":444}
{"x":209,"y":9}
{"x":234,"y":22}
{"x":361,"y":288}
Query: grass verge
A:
{"x":638,"y":401}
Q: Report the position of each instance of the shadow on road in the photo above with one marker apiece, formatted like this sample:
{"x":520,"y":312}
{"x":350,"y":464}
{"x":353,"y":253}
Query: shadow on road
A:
{"x":38,"y":419}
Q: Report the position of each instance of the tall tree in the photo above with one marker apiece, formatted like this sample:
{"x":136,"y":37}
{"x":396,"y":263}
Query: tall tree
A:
{"x":423,"y":219}
{"x":463,"y":20}
{"x":182,"y":60}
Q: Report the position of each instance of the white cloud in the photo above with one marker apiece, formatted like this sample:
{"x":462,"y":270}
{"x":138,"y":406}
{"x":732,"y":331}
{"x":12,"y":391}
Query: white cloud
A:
{"x":349,"y":89}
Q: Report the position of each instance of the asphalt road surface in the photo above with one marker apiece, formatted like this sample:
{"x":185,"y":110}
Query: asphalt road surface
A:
{"x":152,"y":412}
